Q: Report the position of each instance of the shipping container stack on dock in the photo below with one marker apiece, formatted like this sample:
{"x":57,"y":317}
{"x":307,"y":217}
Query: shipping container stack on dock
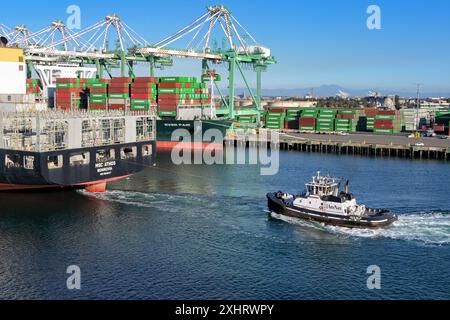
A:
{"x":119,"y":93}
{"x":275,"y":119}
{"x":292,"y":119}
{"x":68,"y":93}
{"x":387,"y":122}
{"x":347,"y":120}
{"x":181,"y":92}
{"x":143,"y":93}
{"x":326,"y":120}
{"x":370,"y":115}
{"x":308,"y":119}
{"x":442,"y":120}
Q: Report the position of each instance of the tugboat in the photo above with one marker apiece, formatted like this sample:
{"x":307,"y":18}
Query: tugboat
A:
{"x":325,"y":202}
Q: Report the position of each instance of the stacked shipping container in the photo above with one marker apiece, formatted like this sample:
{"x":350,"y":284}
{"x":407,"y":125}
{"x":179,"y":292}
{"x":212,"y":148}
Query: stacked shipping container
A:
{"x":68,"y":93}
{"x":347,"y":120}
{"x":119,"y":93}
{"x":275,"y":119}
{"x":308,"y":119}
{"x":387,"y":122}
{"x":143,"y":93}
{"x":98,"y":94}
{"x":174,"y":92}
{"x":33,"y":86}
{"x":326,"y":120}
{"x":292,"y":119}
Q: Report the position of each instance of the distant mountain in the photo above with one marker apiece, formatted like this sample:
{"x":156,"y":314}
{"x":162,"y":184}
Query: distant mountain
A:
{"x":332,"y":90}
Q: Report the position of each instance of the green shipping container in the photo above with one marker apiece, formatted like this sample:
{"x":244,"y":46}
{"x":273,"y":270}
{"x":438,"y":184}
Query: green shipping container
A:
{"x":164,"y":113}
{"x":385,"y":117}
{"x":347,"y":112}
{"x":65,"y":85}
{"x":118,"y":95}
{"x":98,"y":96}
{"x":139,"y":108}
{"x":99,"y":85}
{"x":97,"y":101}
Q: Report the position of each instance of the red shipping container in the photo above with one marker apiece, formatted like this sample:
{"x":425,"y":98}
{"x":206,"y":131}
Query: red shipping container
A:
{"x":346,"y":116}
{"x":146,"y":79}
{"x":384,"y":124}
{"x":117,"y":107}
{"x":169,"y":96}
{"x":141,"y":85}
{"x":371,"y":113}
{"x":141,"y":90}
{"x":99,"y":90}
{"x":66,"y":80}
{"x":387,"y":113}
{"x":119,"y":91}
{"x":121,"y":80}
{"x":97,"y":106}
{"x":63,"y":99}
{"x":143,"y":96}
{"x":276,"y":110}
{"x":67,"y":90}
{"x":167,"y":107}
{"x":63,"y":95}
{"x":119,"y":85}
{"x":170,"y":85}
{"x":307,"y":120}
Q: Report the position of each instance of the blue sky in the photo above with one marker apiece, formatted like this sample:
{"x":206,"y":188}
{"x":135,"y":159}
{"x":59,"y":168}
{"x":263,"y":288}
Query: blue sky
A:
{"x":315,"y":42}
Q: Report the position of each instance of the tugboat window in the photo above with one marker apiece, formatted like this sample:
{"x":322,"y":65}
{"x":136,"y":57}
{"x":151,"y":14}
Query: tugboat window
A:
{"x":12,"y":161}
{"x":55,"y":162}
{"x":80,"y":159}
{"x":28,"y":162}
{"x":128,"y":153}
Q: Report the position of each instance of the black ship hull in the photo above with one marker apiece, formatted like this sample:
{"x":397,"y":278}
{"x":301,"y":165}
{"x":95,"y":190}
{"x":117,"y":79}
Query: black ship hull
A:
{"x":380,"y":219}
{"x":85,"y":168}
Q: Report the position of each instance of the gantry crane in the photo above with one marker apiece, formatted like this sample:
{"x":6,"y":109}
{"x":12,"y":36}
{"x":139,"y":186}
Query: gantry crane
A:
{"x":57,"y":48}
{"x":237,"y":53}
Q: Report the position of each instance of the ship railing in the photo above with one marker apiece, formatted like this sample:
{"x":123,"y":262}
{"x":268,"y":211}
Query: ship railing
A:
{"x":49,"y":130}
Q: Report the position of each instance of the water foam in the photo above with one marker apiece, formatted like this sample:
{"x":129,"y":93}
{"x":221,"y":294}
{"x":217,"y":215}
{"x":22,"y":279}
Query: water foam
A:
{"x":429,"y":228}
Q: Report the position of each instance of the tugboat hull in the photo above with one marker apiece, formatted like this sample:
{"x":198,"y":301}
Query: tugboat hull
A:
{"x":379,"y":220}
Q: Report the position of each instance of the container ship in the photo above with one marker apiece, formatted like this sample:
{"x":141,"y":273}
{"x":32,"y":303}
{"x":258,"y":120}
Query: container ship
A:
{"x":176,"y":102}
{"x":186,"y":104}
{"x":66,"y":147}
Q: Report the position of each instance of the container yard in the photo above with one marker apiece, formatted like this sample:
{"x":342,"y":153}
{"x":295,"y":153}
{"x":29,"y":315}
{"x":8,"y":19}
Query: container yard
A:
{"x":376,"y":121}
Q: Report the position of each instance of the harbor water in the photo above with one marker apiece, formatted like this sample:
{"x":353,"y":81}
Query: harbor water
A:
{"x":202,"y":232}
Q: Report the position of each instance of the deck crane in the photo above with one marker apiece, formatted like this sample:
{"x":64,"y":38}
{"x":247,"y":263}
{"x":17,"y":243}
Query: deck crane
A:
{"x":237,"y":52}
